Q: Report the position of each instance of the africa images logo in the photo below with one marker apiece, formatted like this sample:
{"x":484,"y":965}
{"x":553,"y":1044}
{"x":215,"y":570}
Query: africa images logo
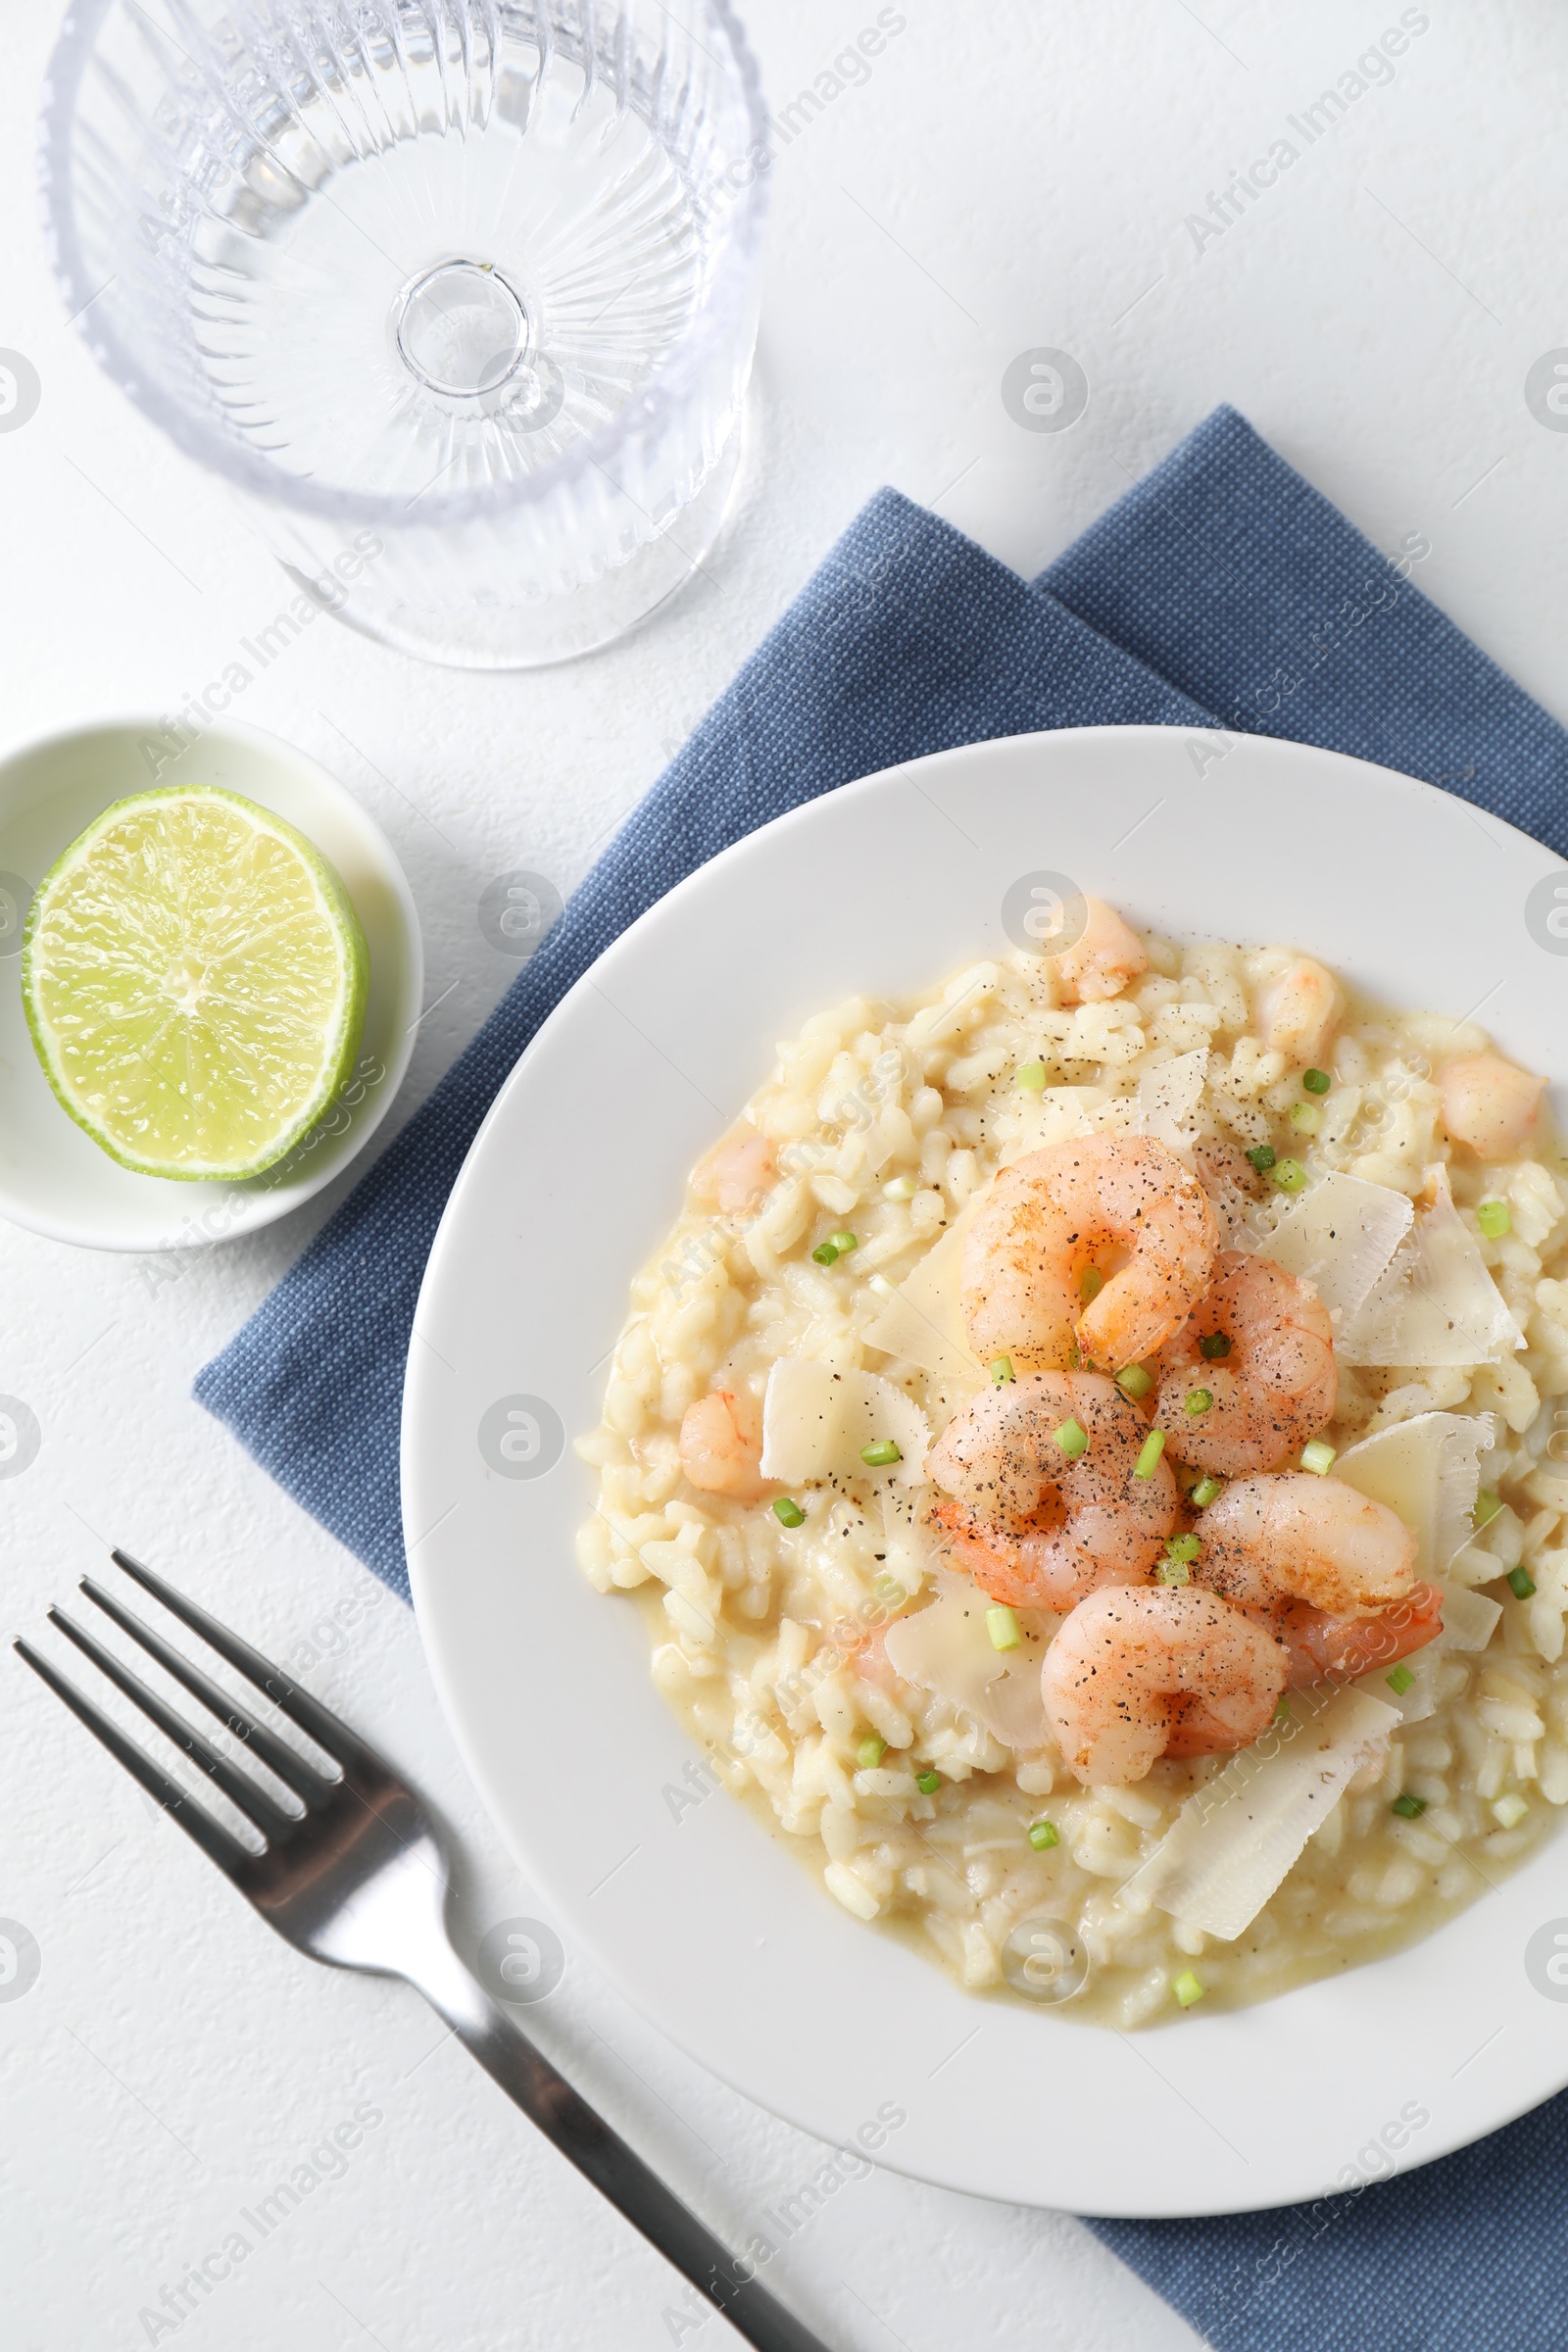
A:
{"x":521,"y":1436}
{"x":1547,"y":390}
{"x":1044,"y":390}
{"x":1546,"y":912}
{"x":1546,"y":1959}
{"x":1045,"y":914}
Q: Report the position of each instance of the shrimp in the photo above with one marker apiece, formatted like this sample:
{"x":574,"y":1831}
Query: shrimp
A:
{"x":1152,"y":1671}
{"x":1329,"y":1570}
{"x":1274,"y":1380}
{"x":1488,"y":1103}
{"x":1039,"y":1528}
{"x":737,"y":1173}
{"x":1301,"y":1012}
{"x":1102,"y":959}
{"x":1336,"y":1649}
{"x":722,"y":1445}
{"x":1297,"y":1536}
{"x":1030,"y":1258}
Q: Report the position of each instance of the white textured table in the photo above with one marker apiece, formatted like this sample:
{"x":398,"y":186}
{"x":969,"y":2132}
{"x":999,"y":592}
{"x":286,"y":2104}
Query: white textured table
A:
{"x":1036,"y":172}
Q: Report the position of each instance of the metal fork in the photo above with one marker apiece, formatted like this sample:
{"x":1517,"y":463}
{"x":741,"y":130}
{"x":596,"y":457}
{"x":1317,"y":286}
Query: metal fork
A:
{"x":359,"y":1880}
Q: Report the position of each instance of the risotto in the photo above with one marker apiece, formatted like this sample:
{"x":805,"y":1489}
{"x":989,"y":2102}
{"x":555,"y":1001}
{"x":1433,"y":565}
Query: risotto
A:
{"x":1132,"y":1598}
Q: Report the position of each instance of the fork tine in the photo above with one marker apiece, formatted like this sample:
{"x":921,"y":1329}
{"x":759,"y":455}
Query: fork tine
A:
{"x":327,"y":1730}
{"x":212,"y":1838}
{"x":252,"y":1799}
{"x":290,"y":1768}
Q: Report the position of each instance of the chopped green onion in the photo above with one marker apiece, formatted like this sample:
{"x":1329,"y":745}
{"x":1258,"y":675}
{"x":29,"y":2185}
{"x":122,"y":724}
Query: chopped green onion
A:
{"x":1510,"y":1810}
{"x":1205,"y":1493}
{"x":1493,"y":1219}
{"x":900,"y":1188}
{"x":1173,"y":1572}
{"x":878,"y":1457}
{"x":1305,"y":1117}
{"x":1033,"y":1075}
{"x":1488,"y":1503}
{"x":1152,"y":1447}
{"x":1003,"y":1627}
{"x":825,"y":1254}
{"x":844,"y":1243}
{"x":788,"y":1512}
{"x":1199,"y":1400}
{"x":1408,"y":1809}
{"x":928,"y":1783}
{"x":1213,"y":1345}
{"x":1073,"y":1439}
{"x":870,"y":1752}
{"x":1186,"y":1988}
{"x":1183,"y":1547}
{"x":1001,"y":1370}
{"x":1132,"y":1381}
{"x":1316,"y":1082}
{"x":1400,"y":1681}
{"x":1319,"y":1456}
{"x":1263,"y":1158}
{"x":1521,"y":1584}
{"x":1289,"y":1175}
{"x":1090,"y":1282}
{"x":1042,"y":1835}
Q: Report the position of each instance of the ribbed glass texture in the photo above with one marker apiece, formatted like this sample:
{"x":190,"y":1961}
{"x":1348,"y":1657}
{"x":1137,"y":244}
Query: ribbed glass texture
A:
{"x":461,"y":295}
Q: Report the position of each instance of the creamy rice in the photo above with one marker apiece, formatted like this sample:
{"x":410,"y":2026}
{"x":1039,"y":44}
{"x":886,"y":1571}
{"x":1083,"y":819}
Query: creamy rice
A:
{"x":755,"y":1626}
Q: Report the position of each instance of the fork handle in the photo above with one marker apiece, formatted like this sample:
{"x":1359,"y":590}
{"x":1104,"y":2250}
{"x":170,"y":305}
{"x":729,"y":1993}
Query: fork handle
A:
{"x":619,"y":2175}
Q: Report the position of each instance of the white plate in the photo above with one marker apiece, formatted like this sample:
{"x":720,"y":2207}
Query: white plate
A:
{"x":706,"y":1923}
{"x":53,"y":1176}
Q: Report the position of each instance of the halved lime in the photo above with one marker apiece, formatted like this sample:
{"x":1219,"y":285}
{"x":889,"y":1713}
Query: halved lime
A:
{"x":194,"y":977}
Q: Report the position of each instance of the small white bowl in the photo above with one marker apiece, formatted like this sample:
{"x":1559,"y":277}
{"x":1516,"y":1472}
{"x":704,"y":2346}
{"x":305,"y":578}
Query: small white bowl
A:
{"x":53,"y":1176}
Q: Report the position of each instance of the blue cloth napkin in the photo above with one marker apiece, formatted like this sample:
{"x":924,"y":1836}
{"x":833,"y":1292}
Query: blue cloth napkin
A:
{"x":1221,"y":591}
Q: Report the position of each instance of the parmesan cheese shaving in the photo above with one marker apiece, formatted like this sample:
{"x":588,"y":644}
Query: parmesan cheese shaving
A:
{"x":1428,"y":1469}
{"x":1168,"y":1097}
{"x":1060,"y":1112}
{"x":923,"y":1321}
{"x":816,"y":1422}
{"x":1233,"y":1841}
{"x":1436,"y":1303}
{"x":1418,"y":1697}
{"x":946,"y":1649}
{"x":1342,"y":1235}
{"x":1469,"y":1619}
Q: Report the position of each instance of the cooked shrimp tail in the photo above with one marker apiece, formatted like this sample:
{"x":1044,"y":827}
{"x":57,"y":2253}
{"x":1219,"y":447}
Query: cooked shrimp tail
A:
{"x":738,"y":1173}
{"x":1268,"y":1541}
{"x":1260,"y":1347}
{"x":1338,"y":1650}
{"x":1301,"y":1012}
{"x":1041,"y":1501}
{"x":1151,"y":1671}
{"x":1106,"y":958}
{"x":1102,"y":1245}
{"x":1488,"y":1104}
{"x":722,"y":1445}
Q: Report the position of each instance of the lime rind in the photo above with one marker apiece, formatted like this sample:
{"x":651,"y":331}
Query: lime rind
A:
{"x":341,"y":1047}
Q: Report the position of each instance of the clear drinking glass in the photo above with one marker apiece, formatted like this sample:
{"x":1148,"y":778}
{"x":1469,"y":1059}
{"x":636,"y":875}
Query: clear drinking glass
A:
{"x":460,"y":295}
